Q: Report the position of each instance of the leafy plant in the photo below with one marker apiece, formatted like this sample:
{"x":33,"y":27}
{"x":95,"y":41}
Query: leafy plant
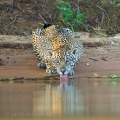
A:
{"x":115,"y":2}
{"x":68,"y":16}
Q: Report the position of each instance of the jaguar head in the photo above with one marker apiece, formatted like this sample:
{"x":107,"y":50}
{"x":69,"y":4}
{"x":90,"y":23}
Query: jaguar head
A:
{"x":63,"y":60}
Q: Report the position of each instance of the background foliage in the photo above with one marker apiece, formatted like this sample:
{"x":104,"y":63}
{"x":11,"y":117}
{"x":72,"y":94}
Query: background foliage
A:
{"x":22,"y":16}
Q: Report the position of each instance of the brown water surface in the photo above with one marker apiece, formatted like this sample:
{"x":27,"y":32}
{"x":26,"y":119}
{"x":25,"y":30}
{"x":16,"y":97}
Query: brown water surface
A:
{"x":80,"y":98}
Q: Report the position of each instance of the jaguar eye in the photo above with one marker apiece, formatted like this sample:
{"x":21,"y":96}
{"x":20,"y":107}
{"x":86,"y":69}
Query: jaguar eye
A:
{"x":75,"y":51}
{"x":67,"y":61}
{"x":57,"y":62}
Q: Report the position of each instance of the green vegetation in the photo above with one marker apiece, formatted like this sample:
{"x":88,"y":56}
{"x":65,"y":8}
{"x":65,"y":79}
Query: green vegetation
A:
{"x":115,"y":2}
{"x":11,"y":79}
{"x":70,"y":17}
{"x":112,"y":76}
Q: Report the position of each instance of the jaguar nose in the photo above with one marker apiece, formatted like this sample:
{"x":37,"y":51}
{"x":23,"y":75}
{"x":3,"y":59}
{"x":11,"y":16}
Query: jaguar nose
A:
{"x":63,"y":70}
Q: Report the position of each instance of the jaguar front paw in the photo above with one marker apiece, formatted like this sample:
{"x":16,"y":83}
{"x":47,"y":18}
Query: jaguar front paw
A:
{"x":71,"y":73}
{"x":41,"y":65}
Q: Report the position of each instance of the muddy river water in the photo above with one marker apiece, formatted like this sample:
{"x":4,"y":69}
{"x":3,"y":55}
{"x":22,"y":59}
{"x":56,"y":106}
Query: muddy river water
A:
{"x":77,"y":99}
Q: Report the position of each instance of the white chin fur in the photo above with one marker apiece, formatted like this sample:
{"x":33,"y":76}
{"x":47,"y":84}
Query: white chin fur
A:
{"x":60,"y":73}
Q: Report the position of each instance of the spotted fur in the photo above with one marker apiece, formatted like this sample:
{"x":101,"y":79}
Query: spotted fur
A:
{"x":56,"y":49}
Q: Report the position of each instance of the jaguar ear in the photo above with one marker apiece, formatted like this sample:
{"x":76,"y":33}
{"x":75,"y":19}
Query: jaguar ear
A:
{"x":75,"y":51}
{"x":47,"y":25}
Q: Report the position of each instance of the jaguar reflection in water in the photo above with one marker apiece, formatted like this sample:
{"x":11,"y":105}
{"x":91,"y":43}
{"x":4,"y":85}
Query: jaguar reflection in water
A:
{"x":80,"y":98}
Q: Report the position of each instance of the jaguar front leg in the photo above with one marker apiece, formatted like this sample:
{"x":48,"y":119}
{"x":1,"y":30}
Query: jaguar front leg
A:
{"x":50,"y":69}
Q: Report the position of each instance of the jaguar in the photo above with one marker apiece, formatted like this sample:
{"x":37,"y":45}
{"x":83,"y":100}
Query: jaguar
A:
{"x":57,"y":49}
